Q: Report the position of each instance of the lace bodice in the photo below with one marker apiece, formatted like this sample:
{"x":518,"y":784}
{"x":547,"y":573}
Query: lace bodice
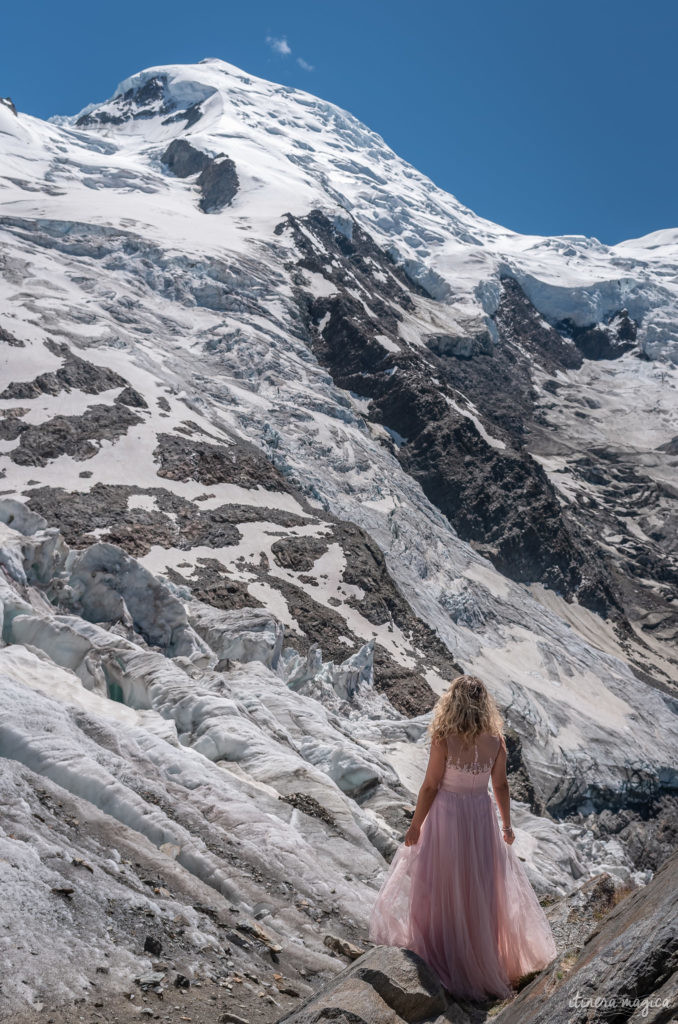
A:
{"x":468,"y":767}
{"x":475,"y":767}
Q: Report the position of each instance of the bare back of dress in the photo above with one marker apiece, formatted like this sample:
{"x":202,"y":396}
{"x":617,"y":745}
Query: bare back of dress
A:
{"x":468,"y":765}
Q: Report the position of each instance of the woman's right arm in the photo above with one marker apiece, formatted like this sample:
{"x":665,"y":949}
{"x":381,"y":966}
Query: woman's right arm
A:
{"x":500,"y":788}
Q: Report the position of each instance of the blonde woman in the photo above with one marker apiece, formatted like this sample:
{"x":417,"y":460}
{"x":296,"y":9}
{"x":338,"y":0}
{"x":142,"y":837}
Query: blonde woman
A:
{"x":455,"y":892}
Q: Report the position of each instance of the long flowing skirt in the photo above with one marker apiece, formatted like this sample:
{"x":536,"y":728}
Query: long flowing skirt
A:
{"x":460,"y":898}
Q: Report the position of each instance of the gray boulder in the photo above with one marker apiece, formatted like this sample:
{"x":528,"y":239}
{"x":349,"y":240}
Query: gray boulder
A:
{"x":386,"y":985}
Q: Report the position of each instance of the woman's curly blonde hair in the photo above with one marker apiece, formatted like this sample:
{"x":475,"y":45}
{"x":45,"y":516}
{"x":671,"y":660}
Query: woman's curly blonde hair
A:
{"x":466,"y":709}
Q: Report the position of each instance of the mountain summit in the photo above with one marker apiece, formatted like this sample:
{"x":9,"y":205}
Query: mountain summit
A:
{"x":296,"y":152}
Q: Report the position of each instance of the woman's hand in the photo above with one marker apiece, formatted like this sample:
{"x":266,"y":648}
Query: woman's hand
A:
{"x":509,"y":835}
{"x":412,"y":835}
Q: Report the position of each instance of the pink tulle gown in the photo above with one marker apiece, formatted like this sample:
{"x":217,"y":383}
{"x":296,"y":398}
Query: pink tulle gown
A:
{"x":459,"y":897}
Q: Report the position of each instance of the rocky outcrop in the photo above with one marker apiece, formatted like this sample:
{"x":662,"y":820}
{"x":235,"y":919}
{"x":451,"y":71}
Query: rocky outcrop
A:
{"x":627,"y":969}
{"x":603,"y":341}
{"x":171,"y":520}
{"x":217,"y":177}
{"x":181,"y":458}
{"x":72,"y":435}
{"x":212,"y":583}
{"x":298,"y":553}
{"x":151,"y":96}
{"x":183,"y":159}
{"x":218,"y":184}
{"x":9,"y":339}
{"x":386,"y":985}
{"x":492,"y":491}
{"x":74,"y":373}
{"x":133,"y":103}
{"x":11,"y":423}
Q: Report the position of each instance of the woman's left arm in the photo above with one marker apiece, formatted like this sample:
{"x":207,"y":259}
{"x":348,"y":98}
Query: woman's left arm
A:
{"x":429,"y":788}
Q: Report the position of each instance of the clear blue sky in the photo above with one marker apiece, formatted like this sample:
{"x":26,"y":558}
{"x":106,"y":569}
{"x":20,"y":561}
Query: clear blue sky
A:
{"x":549,"y":117}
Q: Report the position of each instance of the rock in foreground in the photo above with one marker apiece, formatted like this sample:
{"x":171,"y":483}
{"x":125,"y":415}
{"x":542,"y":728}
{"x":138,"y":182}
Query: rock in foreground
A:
{"x":384,"y":986}
{"x":626,"y":971}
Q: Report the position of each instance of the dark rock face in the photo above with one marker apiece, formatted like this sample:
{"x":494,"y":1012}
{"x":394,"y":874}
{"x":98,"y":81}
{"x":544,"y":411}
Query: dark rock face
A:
{"x":135,"y":103}
{"x":298,"y":553}
{"x":671,"y":446}
{"x":191,"y":115}
{"x":319,"y":624}
{"x":130,"y":396}
{"x":603,"y":341}
{"x":176,"y":522}
{"x":217,"y":177}
{"x":649,"y":838}
{"x":503,"y":502}
{"x":74,"y":373}
{"x":460,"y":348}
{"x":386,"y":985}
{"x":517,"y":319}
{"x":183,"y":159}
{"x":9,"y":339}
{"x":240,"y":463}
{"x":152,"y":945}
{"x":11,"y":424}
{"x":7,"y":101}
{"x":219,"y":184}
{"x":495,"y":495}
{"x":316,"y":235}
{"x":212,"y":583}
{"x":365,"y":568}
{"x":149,"y":92}
{"x":408,"y":692}
{"x":383,"y":603}
{"x":629,"y":963}
{"x":72,"y":435}
{"x":148,"y":100}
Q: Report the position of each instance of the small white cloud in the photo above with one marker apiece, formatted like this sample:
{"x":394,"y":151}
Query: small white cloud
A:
{"x":280,"y":46}
{"x":304,"y":64}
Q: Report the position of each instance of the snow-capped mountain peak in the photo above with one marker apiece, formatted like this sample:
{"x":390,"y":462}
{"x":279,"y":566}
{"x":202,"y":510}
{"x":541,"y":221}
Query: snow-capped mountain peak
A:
{"x":295,"y":152}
